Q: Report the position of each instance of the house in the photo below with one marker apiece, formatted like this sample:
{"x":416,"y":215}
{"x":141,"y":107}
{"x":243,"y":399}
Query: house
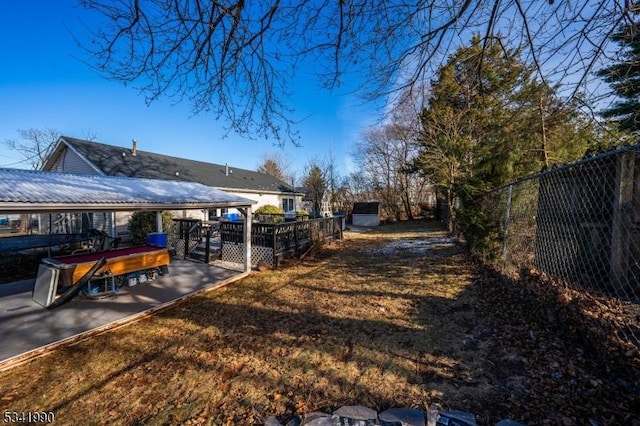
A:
{"x":306,"y":202}
{"x":74,"y":155}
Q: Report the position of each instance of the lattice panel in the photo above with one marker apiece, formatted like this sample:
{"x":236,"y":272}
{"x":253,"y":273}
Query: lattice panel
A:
{"x":235,"y":253}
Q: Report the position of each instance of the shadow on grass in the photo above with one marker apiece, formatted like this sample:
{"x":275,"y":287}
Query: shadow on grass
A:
{"x":313,"y":338}
{"x":281,"y":363}
{"x":404,"y":329}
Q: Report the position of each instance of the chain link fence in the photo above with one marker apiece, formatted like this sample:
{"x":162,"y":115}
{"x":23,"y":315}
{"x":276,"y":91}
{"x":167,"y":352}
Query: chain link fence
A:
{"x":578,"y":224}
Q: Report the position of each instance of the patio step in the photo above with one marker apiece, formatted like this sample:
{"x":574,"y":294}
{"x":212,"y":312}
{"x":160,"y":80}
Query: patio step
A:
{"x":199,"y":252}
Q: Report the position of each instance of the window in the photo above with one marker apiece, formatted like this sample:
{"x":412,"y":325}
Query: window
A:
{"x":287,"y":204}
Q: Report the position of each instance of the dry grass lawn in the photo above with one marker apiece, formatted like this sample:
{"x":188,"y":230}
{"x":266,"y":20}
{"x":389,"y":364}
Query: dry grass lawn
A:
{"x":356,"y":324}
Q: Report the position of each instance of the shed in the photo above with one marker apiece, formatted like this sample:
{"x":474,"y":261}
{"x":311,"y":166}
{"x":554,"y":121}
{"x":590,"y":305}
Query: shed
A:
{"x":366,"y":214}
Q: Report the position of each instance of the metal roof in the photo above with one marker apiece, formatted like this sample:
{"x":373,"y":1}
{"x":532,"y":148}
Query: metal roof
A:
{"x":30,"y":191}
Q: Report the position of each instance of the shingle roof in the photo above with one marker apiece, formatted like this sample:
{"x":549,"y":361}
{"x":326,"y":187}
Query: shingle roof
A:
{"x":119,"y":161}
{"x":372,"y":207}
{"x":28,"y":190}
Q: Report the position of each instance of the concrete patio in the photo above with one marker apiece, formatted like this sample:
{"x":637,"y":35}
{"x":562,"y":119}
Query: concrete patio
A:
{"x":28,"y":330}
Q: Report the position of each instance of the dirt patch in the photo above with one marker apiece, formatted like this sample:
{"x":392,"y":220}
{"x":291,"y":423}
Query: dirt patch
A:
{"x":557,"y":354}
{"x":352,"y":325}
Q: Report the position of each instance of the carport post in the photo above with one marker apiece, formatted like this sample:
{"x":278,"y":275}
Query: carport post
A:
{"x":114,"y":228}
{"x":248,"y":218}
{"x":159,"y":221}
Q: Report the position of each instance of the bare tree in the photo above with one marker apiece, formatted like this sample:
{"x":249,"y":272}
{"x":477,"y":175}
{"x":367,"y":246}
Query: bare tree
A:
{"x":357,"y":188}
{"x":34,"y":145}
{"x":332,"y":176}
{"x":375,"y":154}
{"x":90,"y":135}
{"x":383,"y":158}
{"x":385,"y":155}
{"x":342,"y":197}
{"x":237,"y":58}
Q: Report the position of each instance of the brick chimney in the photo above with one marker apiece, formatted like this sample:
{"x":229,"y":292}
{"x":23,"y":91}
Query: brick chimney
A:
{"x":134,"y":147}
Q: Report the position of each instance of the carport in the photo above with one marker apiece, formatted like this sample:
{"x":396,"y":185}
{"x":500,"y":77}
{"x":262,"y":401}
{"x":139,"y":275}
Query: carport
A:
{"x":28,"y":330}
{"x":27,"y":191}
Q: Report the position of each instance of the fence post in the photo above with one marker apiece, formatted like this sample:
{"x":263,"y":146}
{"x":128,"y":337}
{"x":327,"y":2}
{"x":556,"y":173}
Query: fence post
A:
{"x":207,"y":248}
{"x":186,"y":239}
{"x":622,"y":215}
{"x":248,"y":238}
{"x":220,"y":228}
{"x":275,"y":237}
{"x":295,"y":238}
{"x":505,"y":225}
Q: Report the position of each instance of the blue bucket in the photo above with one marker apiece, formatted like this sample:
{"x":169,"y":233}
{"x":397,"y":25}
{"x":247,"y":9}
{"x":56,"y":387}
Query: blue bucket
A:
{"x":158,"y":239}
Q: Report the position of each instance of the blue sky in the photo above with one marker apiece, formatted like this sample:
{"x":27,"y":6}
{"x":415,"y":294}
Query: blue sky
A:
{"x":44,"y":84}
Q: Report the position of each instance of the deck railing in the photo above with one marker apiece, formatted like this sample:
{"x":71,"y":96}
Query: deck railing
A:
{"x":187,"y":235}
{"x":272,"y":242}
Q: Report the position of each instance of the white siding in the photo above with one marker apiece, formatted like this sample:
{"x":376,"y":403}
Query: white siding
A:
{"x":264,"y":199}
{"x":365,"y":220}
{"x":65,"y":223}
{"x":102,"y":221}
{"x":70,"y":162}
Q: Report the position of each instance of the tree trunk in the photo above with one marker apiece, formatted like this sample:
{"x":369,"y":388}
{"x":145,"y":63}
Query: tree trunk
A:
{"x":407,"y":198}
{"x":543,"y":131}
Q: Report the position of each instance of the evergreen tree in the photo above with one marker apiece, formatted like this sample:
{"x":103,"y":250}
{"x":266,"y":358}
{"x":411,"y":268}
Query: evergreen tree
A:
{"x":467,"y":141}
{"x":489,"y":122}
{"x":276,"y":164}
{"x":315,"y":183}
{"x":624,"y":78}
{"x":271,"y":167}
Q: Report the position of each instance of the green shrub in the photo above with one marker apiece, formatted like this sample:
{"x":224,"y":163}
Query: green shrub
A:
{"x":302,"y":213}
{"x":142,"y":223}
{"x":270,"y":214}
{"x":482,"y":232}
{"x":269,"y":209}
